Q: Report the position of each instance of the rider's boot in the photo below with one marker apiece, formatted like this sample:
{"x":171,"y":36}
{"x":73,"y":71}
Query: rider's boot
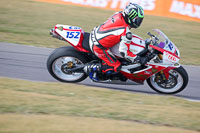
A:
{"x":92,"y":70}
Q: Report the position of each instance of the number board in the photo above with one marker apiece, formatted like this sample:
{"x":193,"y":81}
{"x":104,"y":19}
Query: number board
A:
{"x":73,"y":34}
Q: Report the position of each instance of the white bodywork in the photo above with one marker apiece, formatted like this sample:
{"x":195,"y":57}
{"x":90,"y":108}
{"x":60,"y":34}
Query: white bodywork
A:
{"x":171,"y":54}
{"x":135,"y":49}
{"x":69,"y":33}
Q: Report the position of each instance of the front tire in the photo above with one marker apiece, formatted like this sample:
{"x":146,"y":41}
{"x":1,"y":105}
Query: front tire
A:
{"x":64,"y":57}
{"x":179,"y":80}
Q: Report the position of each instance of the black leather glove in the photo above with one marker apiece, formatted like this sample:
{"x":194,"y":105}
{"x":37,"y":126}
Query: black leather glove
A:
{"x":148,"y":41}
{"x":141,"y":60}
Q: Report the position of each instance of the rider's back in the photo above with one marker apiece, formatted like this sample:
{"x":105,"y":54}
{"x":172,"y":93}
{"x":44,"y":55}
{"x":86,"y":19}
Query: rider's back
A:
{"x":109,"y":33}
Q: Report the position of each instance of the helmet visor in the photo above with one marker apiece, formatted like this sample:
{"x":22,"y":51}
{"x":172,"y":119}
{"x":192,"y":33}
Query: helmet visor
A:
{"x":137,"y":22}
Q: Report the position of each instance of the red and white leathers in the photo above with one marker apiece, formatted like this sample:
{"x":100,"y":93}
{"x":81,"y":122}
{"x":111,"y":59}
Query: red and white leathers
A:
{"x":115,"y":30}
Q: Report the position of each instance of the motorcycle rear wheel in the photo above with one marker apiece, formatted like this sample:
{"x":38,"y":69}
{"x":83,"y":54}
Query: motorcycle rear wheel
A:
{"x":66,"y":57}
{"x":177,"y":82}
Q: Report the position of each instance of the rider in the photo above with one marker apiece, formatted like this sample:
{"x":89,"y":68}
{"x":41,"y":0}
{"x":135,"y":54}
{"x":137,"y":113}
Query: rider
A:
{"x":115,"y":30}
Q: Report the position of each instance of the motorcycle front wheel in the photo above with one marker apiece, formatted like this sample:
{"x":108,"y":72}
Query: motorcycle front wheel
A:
{"x":63,"y":58}
{"x":178,"y":80}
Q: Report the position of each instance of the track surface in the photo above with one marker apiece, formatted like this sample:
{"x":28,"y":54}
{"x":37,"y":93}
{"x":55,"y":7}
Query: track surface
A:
{"x":29,"y":63}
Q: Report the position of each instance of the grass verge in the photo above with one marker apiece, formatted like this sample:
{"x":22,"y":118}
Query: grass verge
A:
{"x":28,"y":22}
{"x":47,"y":104}
{"x":32,"y":123}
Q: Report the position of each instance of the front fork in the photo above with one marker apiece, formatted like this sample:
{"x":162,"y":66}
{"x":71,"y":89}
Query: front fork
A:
{"x":164,"y":74}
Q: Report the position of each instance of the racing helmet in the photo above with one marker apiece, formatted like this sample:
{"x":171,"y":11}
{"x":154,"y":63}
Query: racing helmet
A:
{"x":133,"y":15}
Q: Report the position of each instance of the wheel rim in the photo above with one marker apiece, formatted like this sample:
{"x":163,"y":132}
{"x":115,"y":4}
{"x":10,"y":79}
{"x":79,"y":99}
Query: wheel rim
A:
{"x":61,"y":64}
{"x":174,"y":83}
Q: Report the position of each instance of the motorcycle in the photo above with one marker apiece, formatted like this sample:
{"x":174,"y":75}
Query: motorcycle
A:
{"x":162,"y":72}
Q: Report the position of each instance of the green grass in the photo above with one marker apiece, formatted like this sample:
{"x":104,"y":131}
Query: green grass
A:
{"x":28,"y":22}
{"x":31,"y":123}
{"x":23,"y":102}
{"x":55,"y":107}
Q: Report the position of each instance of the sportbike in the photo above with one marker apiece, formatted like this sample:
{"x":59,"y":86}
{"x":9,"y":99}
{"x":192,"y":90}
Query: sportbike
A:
{"x":162,"y":72}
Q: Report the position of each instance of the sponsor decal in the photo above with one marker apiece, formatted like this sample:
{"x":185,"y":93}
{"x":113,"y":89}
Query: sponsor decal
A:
{"x":113,"y":20}
{"x":146,"y":4}
{"x":148,"y":72}
{"x":74,"y":28}
{"x":140,"y":76}
{"x":170,"y":57}
{"x":183,"y":8}
{"x":94,"y":3}
{"x":154,"y":70}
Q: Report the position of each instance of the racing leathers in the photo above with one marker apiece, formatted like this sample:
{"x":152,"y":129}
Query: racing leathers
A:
{"x":115,"y":30}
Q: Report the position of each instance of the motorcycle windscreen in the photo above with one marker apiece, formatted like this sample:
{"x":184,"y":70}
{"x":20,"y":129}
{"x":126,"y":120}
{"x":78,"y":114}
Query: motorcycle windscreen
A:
{"x":164,"y":42}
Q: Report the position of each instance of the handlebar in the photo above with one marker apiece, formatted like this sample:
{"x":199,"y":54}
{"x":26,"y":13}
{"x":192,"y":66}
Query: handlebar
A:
{"x":153,"y":39}
{"x":150,"y":34}
{"x":153,"y":36}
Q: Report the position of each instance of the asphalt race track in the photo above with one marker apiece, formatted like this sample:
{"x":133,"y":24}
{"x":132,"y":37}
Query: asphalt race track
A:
{"x":29,"y":63}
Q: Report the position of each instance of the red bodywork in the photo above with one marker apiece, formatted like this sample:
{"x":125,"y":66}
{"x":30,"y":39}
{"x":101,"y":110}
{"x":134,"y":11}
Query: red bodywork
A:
{"x":142,"y":75}
{"x":79,"y":47}
{"x":163,"y":50}
{"x":139,"y":76}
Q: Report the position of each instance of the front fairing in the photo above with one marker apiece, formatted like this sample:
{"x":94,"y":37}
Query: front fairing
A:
{"x":167,"y":50}
{"x":171,"y":54}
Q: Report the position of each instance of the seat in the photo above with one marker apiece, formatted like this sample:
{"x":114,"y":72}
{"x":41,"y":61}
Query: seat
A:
{"x":85,"y":42}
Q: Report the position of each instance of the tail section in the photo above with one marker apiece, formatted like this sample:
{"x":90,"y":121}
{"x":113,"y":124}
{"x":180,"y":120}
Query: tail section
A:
{"x":72,"y":34}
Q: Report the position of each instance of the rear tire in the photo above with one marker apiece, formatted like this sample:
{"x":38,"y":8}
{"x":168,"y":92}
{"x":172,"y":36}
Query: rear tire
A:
{"x":59,"y":58}
{"x":181,"y":73}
